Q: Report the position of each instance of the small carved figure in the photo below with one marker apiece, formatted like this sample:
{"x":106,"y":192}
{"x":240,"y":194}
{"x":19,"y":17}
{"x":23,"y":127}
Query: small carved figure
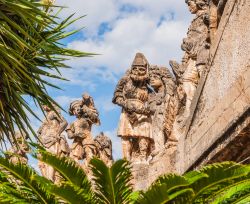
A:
{"x":135,"y":122}
{"x":17,"y":153}
{"x":83,"y":146}
{"x":196,"y":46}
{"x":50,"y":136}
{"x":104,"y":147}
{"x":162,"y":106}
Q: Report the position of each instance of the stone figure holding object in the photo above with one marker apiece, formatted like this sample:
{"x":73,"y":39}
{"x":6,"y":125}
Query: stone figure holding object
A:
{"x":51,"y":138}
{"x":18,"y":152}
{"x":83,"y":147}
{"x":162,"y":106}
{"x":132,"y":94}
{"x":196,"y":46}
{"x":104,"y":148}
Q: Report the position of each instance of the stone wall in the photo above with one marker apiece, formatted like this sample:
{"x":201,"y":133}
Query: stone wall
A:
{"x":146,"y":173}
{"x":225,"y":97}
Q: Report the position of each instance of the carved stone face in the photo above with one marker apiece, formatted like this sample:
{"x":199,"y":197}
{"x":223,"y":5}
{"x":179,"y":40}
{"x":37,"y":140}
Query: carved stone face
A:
{"x":77,"y":110}
{"x":139,"y":70}
{"x":46,"y":108}
{"x":193,"y":8}
{"x":139,"y":73}
{"x":156,"y":82}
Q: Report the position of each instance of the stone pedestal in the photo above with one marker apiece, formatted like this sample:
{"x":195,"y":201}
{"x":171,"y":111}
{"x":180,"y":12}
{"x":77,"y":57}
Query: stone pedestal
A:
{"x":146,"y":173}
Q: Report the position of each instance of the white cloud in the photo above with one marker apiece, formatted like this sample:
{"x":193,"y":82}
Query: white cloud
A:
{"x":64,"y":101}
{"x":130,"y":35}
{"x":105,"y":104}
{"x":97,"y":11}
{"x":150,"y":30}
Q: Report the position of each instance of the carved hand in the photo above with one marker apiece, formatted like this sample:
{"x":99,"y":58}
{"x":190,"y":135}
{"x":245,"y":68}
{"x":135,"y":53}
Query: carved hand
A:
{"x":131,"y":108}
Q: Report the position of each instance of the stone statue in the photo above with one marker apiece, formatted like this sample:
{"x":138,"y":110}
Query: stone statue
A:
{"x":135,"y":122}
{"x":17,"y":153}
{"x":83,"y":147}
{"x":162,"y":106}
{"x":196,"y":46}
{"x":51,"y":137}
{"x":104,"y":147}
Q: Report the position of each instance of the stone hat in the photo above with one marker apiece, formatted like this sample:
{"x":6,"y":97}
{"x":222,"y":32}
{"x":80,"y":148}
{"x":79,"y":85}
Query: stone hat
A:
{"x":140,"y":60}
{"x":199,"y":2}
{"x":72,"y":104}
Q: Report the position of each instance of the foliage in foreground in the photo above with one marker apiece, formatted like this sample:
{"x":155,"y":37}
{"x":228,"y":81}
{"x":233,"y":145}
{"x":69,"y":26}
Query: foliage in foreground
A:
{"x":31,"y":54}
{"x":226,"y":182}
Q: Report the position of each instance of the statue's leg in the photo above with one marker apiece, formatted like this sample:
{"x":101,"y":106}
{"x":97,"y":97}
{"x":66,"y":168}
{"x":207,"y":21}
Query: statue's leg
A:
{"x":50,"y":172}
{"x":201,"y":68}
{"x":89,"y":154}
{"x":143,"y":146}
{"x":126,"y":148}
{"x":41,"y":166}
{"x":189,"y":88}
{"x":76,"y":152}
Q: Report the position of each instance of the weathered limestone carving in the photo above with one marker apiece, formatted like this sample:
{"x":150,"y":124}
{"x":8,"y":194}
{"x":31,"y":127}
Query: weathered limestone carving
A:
{"x":162,"y":106}
{"x":104,"y":147}
{"x":196,"y":46}
{"x":51,"y":137}
{"x":17,"y":153}
{"x":135,"y":122}
{"x":83,"y":147}
{"x":216,"y":11}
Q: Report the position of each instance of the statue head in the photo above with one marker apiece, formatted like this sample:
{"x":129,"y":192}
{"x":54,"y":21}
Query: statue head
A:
{"x":158,"y":77}
{"x":104,"y":142}
{"x":87,"y":99}
{"x":20,"y":139}
{"x":75,"y":108}
{"x":155,"y":77}
{"x":195,"y":5}
{"x":47,"y":109}
{"x":139,"y":68}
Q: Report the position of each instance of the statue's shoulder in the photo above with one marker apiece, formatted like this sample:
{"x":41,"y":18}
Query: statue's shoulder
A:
{"x":125,"y":77}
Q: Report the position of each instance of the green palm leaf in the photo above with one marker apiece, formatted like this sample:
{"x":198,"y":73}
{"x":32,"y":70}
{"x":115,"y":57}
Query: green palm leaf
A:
{"x":219,"y":176}
{"x":65,"y":191}
{"x":68,"y":168}
{"x":112,"y":185}
{"x":233,"y":192}
{"x":29,"y":178}
{"x":30,"y":51}
{"x":167,"y":188}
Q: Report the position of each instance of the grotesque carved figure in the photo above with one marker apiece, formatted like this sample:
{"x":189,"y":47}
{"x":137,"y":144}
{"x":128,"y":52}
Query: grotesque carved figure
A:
{"x":104,"y":147}
{"x":162,"y":106}
{"x":196,"y":47}
{"x":17,"y":153}
{"x":135,"y":122}
{"x":83,"y":146}
{"x":50,"y":136}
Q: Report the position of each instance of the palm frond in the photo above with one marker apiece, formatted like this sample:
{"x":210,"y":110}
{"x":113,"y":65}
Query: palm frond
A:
{"x":65,"y":191}
{"x":233,"y":192}
{"x":68,"y":168}
{"x":167,"y":188}
{"x":31,"y":52}
{"x":220,"y":175}
{"x":30,"y":179}
{"x":112,"y":185}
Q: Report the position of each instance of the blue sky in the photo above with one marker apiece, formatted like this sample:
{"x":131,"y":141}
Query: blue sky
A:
{"x":116,"y":29}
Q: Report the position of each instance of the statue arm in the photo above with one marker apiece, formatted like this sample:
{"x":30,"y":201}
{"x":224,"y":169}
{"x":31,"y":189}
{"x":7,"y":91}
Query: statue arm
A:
{"x":39,"y":131}
{"x":118,"y":95}
{"x":70,"y":131}
{"x":63,"y":125}
{"x":91,"y":113}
